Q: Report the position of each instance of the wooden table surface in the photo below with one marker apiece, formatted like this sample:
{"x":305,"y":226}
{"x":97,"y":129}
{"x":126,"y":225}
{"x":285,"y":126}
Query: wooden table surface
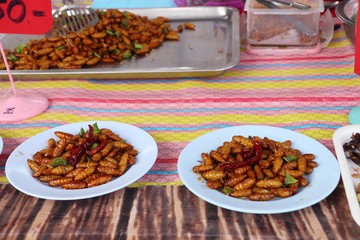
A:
{"x":309,"y":94}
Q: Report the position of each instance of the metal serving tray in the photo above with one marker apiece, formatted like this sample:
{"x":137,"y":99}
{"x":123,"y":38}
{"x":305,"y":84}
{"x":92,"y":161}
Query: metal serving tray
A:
{"x":208,"y":51}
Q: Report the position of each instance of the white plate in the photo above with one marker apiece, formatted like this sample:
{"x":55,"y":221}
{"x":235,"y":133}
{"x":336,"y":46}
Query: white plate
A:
{"x":348,"y":167}
{"x":1,"y":145}
{"x":322,"y":181}
{"x":19,"y":174}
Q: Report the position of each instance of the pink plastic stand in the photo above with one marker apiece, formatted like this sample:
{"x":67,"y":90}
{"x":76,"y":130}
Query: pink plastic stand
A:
{"x":354,"y":115}
{"x":15,"y":107}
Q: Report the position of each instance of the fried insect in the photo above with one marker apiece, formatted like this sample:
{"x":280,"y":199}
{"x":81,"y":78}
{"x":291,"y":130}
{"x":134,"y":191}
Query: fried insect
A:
{"x":258,"y":169}
{"x":117,"y":37}
{"x":52,"y":164}
{"x":99,"y":180}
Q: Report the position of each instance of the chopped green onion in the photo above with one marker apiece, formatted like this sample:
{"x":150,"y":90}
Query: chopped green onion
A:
{"x":127,"y":54}
{"x":96,"y":128}
{"x":96,"y":55}
{"x":116,"y":51}
{"x":138,"y":46}
{"x":60,"y":161}
{"x":82,"y":132}
{"x":228,"y":190}
{"x":12,"y":57}
{"x":291,"y":158}
{"x":289,"y":180}
{"x":165,"y":30}
{"x":112,"y":33}
{"x":94,"y":145}
{"x":19,"y":48}
{"x":124,"y":23}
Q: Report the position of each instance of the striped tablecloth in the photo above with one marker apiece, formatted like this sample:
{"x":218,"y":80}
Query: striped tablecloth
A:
{"x":310,"y":94}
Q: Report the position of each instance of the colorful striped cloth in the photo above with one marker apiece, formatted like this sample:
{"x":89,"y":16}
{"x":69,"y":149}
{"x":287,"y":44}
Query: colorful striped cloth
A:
{"x":309,"y":94}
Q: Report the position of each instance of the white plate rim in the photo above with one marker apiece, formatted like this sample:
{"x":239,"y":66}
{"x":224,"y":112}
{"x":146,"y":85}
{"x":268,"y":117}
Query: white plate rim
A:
{"x":308,"y":196}
{"x":16,"y":164}
{"x":340,"y":136}
{"x":1,"y":145}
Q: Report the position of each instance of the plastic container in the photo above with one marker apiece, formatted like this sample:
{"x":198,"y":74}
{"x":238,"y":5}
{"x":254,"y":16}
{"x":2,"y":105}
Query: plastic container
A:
{"x":270,"y":23}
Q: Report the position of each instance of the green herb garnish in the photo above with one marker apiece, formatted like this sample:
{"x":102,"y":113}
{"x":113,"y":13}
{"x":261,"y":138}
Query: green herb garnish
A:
{"x":20,"y":48}
{"x":82,"y":132}
{"x":291,"y":158}
{"x":96,"y":128}
{"x":96,"y":54}
{"x":127,"y":55}
{"x":289,"y":180}
{"x":60,"y":161}
{"x":116,"y":51}
{"x":124,"y":23}
{"x":138,"y":46}
{"x":12,"y":58}
{"x":112,"y":33}
{"x":228,"y":190}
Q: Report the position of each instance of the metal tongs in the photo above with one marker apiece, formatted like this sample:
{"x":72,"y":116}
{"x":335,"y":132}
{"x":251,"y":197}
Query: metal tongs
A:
{"x":296,"y":23}
{"x":72,"y":18}
{"x":292,"y":4}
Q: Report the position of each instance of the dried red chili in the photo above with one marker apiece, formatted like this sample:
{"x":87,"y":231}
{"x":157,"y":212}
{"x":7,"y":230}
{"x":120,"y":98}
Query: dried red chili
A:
{"x":255,"y":158}
{"x":79,"y":152}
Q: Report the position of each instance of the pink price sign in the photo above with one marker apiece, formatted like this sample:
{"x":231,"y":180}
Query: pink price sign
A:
{"x":25,"y":16}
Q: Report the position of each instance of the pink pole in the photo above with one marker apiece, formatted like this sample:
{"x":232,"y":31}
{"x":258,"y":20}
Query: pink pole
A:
{"x":7,"y":68}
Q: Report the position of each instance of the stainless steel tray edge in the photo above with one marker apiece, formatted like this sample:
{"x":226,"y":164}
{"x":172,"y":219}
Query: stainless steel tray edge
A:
{"x":222,"y":21}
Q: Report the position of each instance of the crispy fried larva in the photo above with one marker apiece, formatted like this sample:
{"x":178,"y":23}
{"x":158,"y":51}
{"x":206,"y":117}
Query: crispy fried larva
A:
{"x":277,"y":164}
{"x":99,"y":180}
{"x":33,"y":165}
{"x":259,"y":174}
{"x":303,"y":182}
{"x":60,"y":181}
{"x":51,"y":143}
{"x":123,"y":163}
{"x":235,"y":179}
{"x":283,"y":192}
{"x":109,"y":164}
{"x":203,"y":168}
{"x":84,"y":174}
{"x":242,"y":193}
{"x":246,"y":184}
{"x":302,"y":163}
{"x":106,"y":150}
{"x":60,"y":146}
{"x":289,"y":165}
{"x":48,"y":178}
{"x":269,"y":173}
{"x":39,"y":171}
{"x":190,"y":26}
{"x":110,"y":171}
{"x":309,"y":157}
{"x":87,"y":164}
{"x":242,"y":170}
{"x":206,"y":159}
{"x":74,"y":185}
{"x":74,"y":172}
{"x":63,"y":135}
{"x":61,"y":170}
{"x":216,"y":184}
{"x":213,"y":174}
{"x":269,"y":183}
{"x":293,"y":172}
{"x":261,"y":196}
{"x":217,"y":156}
